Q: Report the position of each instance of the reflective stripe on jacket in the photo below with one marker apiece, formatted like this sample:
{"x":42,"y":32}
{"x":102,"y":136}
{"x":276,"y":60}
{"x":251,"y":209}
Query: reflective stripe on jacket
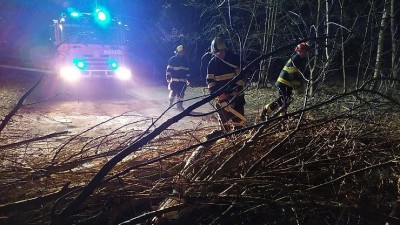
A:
{"x":177,"y":69}
{"x":290,"y":74}
{"x":220,"y":72}
{"x":179,"y":79}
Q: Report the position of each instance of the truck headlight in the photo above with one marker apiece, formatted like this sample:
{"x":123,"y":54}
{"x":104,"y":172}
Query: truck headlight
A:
{"x":70,"y":73}
{"x":123,"y":73}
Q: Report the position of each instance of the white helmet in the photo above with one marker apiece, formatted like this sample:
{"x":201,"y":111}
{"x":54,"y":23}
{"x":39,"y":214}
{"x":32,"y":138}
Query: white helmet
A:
{"x":179,"y":49}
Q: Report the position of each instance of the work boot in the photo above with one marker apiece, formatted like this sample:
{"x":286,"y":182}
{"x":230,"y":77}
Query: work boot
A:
{"x":266,"y":113}
{"x":171,"y":101}
{"x":180,"y":107}
{"x":263,"y":115}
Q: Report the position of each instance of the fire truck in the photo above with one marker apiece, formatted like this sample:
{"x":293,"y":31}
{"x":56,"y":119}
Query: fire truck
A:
{"x":91,"y":46}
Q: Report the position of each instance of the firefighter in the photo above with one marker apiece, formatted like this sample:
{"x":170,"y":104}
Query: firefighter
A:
{"x":223,"y":66}
{"x":177,"y":76}
{"x":289,"y":78}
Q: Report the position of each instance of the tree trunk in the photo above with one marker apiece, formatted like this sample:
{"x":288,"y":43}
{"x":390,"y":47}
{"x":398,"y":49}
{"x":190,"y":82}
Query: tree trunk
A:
{"x":395,"y":65}
{"x":268,"y":39}
{"x":314,"y":64}
{"x":364,"y":46}
{"x":381,"y":39}
{"x":342,"y":47}
{"x":327,"y":30}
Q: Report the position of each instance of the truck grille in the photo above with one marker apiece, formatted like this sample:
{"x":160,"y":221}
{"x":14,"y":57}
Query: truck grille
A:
{"x":98,"y":73}
{"x":97,"y":67}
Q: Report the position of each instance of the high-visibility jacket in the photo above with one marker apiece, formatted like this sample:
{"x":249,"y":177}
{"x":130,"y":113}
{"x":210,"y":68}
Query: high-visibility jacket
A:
{"x":291,"y":73}
{"x":220,"y":72}
{"x":178,"y":69}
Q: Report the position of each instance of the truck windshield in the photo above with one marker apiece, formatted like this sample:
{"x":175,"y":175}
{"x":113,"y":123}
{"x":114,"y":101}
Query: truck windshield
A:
{"x":87,"y":34}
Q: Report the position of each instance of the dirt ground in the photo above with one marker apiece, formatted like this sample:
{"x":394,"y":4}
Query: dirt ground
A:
{"x":91,"y":123}
{"x":68,"y":110}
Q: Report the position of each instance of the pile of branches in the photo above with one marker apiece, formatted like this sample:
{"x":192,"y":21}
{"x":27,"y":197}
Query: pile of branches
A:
{"x":336,"y":167}
{"x":334,"y":161}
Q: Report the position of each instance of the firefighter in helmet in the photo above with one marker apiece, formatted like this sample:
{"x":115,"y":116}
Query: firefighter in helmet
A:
{"x":223,"y":66}
{"x":289,"y":78}
{"x":177,"y":76}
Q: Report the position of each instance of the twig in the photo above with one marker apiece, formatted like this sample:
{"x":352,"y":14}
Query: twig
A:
{"x":352,"y":173}
{"x":16,"y":144}
{"x":20,"y":102}
{"x":35,"y":202}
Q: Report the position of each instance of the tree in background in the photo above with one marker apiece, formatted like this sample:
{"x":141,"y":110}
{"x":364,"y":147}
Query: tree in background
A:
{"x":350,"y":38}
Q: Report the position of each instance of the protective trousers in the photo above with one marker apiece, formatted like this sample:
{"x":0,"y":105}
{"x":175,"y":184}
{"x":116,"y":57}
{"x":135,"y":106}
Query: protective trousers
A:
{"x":282,"y":102}
{"x":176,"y":90}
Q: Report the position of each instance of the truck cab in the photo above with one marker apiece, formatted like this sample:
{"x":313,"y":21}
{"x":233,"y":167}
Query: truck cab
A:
{"x":91,"y":46}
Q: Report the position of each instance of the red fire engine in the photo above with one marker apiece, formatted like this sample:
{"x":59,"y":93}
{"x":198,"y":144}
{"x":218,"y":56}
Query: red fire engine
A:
{"x":90,"y":46}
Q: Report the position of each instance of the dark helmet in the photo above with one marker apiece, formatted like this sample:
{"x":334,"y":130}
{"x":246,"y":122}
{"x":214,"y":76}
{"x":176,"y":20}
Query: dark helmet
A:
{"x":217,"y":45}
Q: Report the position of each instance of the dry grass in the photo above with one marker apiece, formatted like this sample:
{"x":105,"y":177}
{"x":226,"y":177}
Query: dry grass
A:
{"x":335,"y":163}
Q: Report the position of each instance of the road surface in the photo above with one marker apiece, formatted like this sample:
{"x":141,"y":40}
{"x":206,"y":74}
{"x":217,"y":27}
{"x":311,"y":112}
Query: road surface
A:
{"x":75,"y":112}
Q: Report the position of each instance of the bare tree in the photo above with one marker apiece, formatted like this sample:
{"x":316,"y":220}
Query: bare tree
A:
{"x":395,"y":42}
{"x":366,"y":47}
{"x":268,"y":37}
{"x":342,"y":46}
{"x":381,"y":39}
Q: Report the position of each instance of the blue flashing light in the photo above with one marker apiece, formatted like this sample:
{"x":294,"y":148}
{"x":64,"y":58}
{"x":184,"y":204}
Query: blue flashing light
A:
{"x":102,"y":16}
{"x":80,"y":63}
{"x":113,"y":64}
{"x":75,"y":14}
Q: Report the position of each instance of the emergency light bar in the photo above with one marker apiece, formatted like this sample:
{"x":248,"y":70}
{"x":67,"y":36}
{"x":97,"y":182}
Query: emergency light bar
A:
{"x":75,"y":14}
{"x":100,"y":15}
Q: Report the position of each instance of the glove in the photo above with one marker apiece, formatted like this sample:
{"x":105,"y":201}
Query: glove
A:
{"x":222,"y":98}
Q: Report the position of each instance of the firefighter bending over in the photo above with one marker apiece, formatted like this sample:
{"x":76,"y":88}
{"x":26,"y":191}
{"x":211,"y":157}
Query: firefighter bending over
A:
{"x":221,"y":69}
{"x":289,"y":78}
{"x":177,"y":76}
